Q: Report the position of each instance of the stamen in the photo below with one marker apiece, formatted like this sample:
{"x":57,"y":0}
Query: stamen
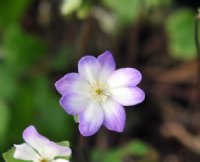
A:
{"x":99,"y":91}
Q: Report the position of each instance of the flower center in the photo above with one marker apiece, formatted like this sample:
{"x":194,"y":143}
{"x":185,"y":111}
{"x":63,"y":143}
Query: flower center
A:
{"x":99,"y":91}
{"x":44,"y":160}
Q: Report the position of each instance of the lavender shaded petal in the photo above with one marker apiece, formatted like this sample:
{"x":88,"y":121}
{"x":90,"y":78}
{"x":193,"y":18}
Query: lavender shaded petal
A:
{"x":128,"y":96}
{"x":91,"y":119}
{"x":45,"y":147}
{"x":89,"y":68}
{"x":71,"y":82}
{"x":74,"y":103}
{"x":124,"y":77}
{"x":107,"y":64}
{"x":26,"y":152}
{"x":114,"y":115}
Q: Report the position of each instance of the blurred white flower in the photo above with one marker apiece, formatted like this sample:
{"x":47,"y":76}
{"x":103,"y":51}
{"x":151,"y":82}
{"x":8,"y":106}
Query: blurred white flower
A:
{"x":107,"y":20}
{"x":38,"y":148}
{"x":69,"y":6}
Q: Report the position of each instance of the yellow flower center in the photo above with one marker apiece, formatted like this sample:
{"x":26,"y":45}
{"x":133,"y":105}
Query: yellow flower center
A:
{"x":44,"y":160}
{"x":99,"y":91}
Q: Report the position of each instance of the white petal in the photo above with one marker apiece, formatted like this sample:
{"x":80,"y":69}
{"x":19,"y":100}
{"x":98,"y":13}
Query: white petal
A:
{"x":46,"y":148}
{"x":107,"y":65}
{"x":73,"y":103}
{"x":60,"y":160}
{"x":114,"y":115}
{"x":71,"y":83}
{"x":91,"y":119}
{"x":124,"y":77}
{"x":89,"y":68}
{"x":128,"y":96}
{"x":25,"y":152}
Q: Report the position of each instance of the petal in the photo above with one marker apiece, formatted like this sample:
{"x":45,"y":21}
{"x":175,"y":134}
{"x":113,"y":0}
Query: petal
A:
{"x":124,"y":77}
{"x":26,"y":152}
{"x":71,"y":82}
{"x":45,"y":147}
{"x":107,"y":65}
{"x":74,"y":103}
{"x":91,"y":119}
{"x":114,"y":115}
{"x":60,"y":160}
{"x":88,"y":68}
{"x":128,"y":96}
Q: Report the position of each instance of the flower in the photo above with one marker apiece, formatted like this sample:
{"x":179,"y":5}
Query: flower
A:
{"x":39,"y":148}
{"x":98,"y":93}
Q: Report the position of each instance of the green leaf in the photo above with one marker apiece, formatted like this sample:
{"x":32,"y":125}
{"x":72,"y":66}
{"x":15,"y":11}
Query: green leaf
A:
{"x":64,"y":143}
{"x":76,"y":119}
{"x":8,"y":156}
{"x":138,"y":148}
{"x":180,"y":28}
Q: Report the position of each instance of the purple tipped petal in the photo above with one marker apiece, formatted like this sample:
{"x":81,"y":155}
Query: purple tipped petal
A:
{"x":124,"y":77}
{"x":71,"y":82}
{"x":65,"y":82}
{"x":73,"y":103}
{"x":107,"y":64}
{"x":114,"y":115}
{"x":26,"y":152}
{"x":88,"y":68}
{"x":91,"y":119}
{"x":45,"y":147}
{"x":128,"y":96}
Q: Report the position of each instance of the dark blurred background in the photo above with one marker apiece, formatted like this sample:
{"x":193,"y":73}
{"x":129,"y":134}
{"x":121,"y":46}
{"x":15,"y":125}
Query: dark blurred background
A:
{"x":41,"y":40}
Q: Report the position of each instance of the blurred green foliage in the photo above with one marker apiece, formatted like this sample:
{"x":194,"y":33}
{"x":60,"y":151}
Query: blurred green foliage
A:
{"x":22,"y":49}
{"x":4,"y":121}
{"x":158,"y":3}
{"x":12,"y":11}
{"x":135,"y":148}
{"x":27,"y":93}
{"x":28,"y":67}
{"x":126,"y":12}
{"x":180,"y":29}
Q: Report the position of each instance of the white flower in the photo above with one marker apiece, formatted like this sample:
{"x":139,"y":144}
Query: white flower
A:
{"x":39,"y":148}
{"x":98,"y":93}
